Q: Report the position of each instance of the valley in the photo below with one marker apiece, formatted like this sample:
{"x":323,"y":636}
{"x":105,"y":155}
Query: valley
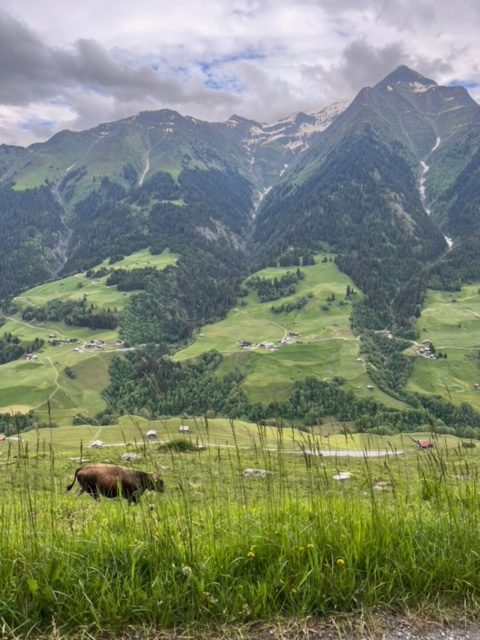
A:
{"x":197,"y":212}
{"x":282,"y":321}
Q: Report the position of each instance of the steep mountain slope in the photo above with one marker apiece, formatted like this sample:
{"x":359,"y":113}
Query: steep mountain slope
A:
{"x":156,"y":179}
{"x":31,"y":238}
{"x":442,"y":128}
{"x":381,"y":181}
{"x":364,"y":188}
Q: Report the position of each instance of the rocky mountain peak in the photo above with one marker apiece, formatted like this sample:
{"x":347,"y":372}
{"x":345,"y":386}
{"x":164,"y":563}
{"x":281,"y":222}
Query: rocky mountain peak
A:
{"x":405,"y":77}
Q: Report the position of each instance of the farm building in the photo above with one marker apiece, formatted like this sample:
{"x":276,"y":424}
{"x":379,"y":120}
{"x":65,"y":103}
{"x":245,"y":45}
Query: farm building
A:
{"x":424,"y":444}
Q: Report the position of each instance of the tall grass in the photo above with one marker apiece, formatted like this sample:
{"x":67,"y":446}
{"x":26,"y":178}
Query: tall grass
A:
{"x":219,"y":547}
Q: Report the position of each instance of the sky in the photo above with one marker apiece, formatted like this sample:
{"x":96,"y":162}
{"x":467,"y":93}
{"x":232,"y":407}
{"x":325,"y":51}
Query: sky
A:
{"x":66,"y":64}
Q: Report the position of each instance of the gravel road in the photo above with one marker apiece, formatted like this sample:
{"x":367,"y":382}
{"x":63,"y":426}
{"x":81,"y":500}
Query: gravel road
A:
{"x":387,"y":629}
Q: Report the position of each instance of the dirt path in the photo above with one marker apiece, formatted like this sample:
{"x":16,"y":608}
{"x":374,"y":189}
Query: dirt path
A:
{"x":55,"y":382}
{"x":36,"y":327}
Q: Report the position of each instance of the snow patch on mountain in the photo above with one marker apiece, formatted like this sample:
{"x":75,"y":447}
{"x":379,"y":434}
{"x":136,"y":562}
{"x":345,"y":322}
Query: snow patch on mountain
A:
{"x":294,"y":131}
{"x":419,"y":87}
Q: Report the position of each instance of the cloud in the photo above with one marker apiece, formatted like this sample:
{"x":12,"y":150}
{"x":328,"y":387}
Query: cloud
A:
{"x":263,"y":59}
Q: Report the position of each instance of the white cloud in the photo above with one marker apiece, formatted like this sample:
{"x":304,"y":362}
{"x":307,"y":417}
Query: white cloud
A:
{"x":260,"y":58}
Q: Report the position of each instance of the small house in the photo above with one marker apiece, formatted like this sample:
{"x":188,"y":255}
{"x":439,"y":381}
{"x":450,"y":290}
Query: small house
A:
{"x":424,"y":444}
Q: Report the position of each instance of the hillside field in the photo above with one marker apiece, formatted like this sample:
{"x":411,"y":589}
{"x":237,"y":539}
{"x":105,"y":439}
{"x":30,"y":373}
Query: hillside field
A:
{"x":130,"y":433}
{"x":26,"y":385}
{"x":77,"y":286}
{"x":326,"y":346}
{"x":451,"y":320}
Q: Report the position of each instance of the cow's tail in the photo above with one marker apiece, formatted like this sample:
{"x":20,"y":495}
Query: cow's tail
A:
{"x":74,"y":478}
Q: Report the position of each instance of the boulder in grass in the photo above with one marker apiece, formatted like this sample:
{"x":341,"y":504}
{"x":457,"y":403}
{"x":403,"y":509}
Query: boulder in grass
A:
{"x":343,"y":475}
{"x":255,"y":473}
{"x":383,"y":486}
{"x":130,"y":457}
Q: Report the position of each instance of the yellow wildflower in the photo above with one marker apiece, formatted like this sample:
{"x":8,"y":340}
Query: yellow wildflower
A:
{"x":341,"y":562}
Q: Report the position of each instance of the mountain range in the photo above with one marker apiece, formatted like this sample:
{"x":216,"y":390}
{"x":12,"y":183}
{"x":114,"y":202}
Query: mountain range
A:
{"x":388,"y":182}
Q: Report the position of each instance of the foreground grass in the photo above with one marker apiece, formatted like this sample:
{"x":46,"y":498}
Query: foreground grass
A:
{"x":221,"y":548}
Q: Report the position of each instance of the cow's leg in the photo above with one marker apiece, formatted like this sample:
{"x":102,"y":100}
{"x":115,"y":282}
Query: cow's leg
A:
{"x":133,"y":498}
{"x":93,"y":491}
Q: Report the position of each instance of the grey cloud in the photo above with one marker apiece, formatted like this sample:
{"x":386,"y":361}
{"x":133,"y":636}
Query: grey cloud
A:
{"x":96,"y":86}
{"x":334,"y":50}
{"x":364,"y":65}
{"x":27,"y":70}
{"x":30,"y":71}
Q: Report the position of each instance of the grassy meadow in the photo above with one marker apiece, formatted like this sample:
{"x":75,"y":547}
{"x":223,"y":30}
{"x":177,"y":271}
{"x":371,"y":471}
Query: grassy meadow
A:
{"x":26,"y":385}
{"x":400,"y":534}
{"x":77,"y":286}
{"x":451,"y":320}
{"x":326,"y":346}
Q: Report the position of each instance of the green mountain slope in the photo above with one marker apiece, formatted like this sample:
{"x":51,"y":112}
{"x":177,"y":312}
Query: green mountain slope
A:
{"x":367,"y":188}
{"x":318,"y":339}
{"x":70,"y":371}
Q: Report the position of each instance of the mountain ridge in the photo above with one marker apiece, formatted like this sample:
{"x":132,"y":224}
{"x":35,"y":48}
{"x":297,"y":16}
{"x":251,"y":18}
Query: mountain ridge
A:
{"x":386,"y":170}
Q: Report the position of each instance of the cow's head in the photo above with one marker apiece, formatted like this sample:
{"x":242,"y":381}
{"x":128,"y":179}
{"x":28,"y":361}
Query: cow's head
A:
{"x":158,"y":484}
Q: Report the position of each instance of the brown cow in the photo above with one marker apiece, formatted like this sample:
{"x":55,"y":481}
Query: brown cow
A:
{"x":112,"y":481}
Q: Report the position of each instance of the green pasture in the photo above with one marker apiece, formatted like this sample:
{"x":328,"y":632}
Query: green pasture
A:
{"x":26,"y":385}
{"x":130,"y":433}
{"x":141,"y":259}
{"x":78,"y":286}
{"x":326,"y":346}
{"x":220,"y":549}
{"x":451,"y":320}
{"x":29,"y":385}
